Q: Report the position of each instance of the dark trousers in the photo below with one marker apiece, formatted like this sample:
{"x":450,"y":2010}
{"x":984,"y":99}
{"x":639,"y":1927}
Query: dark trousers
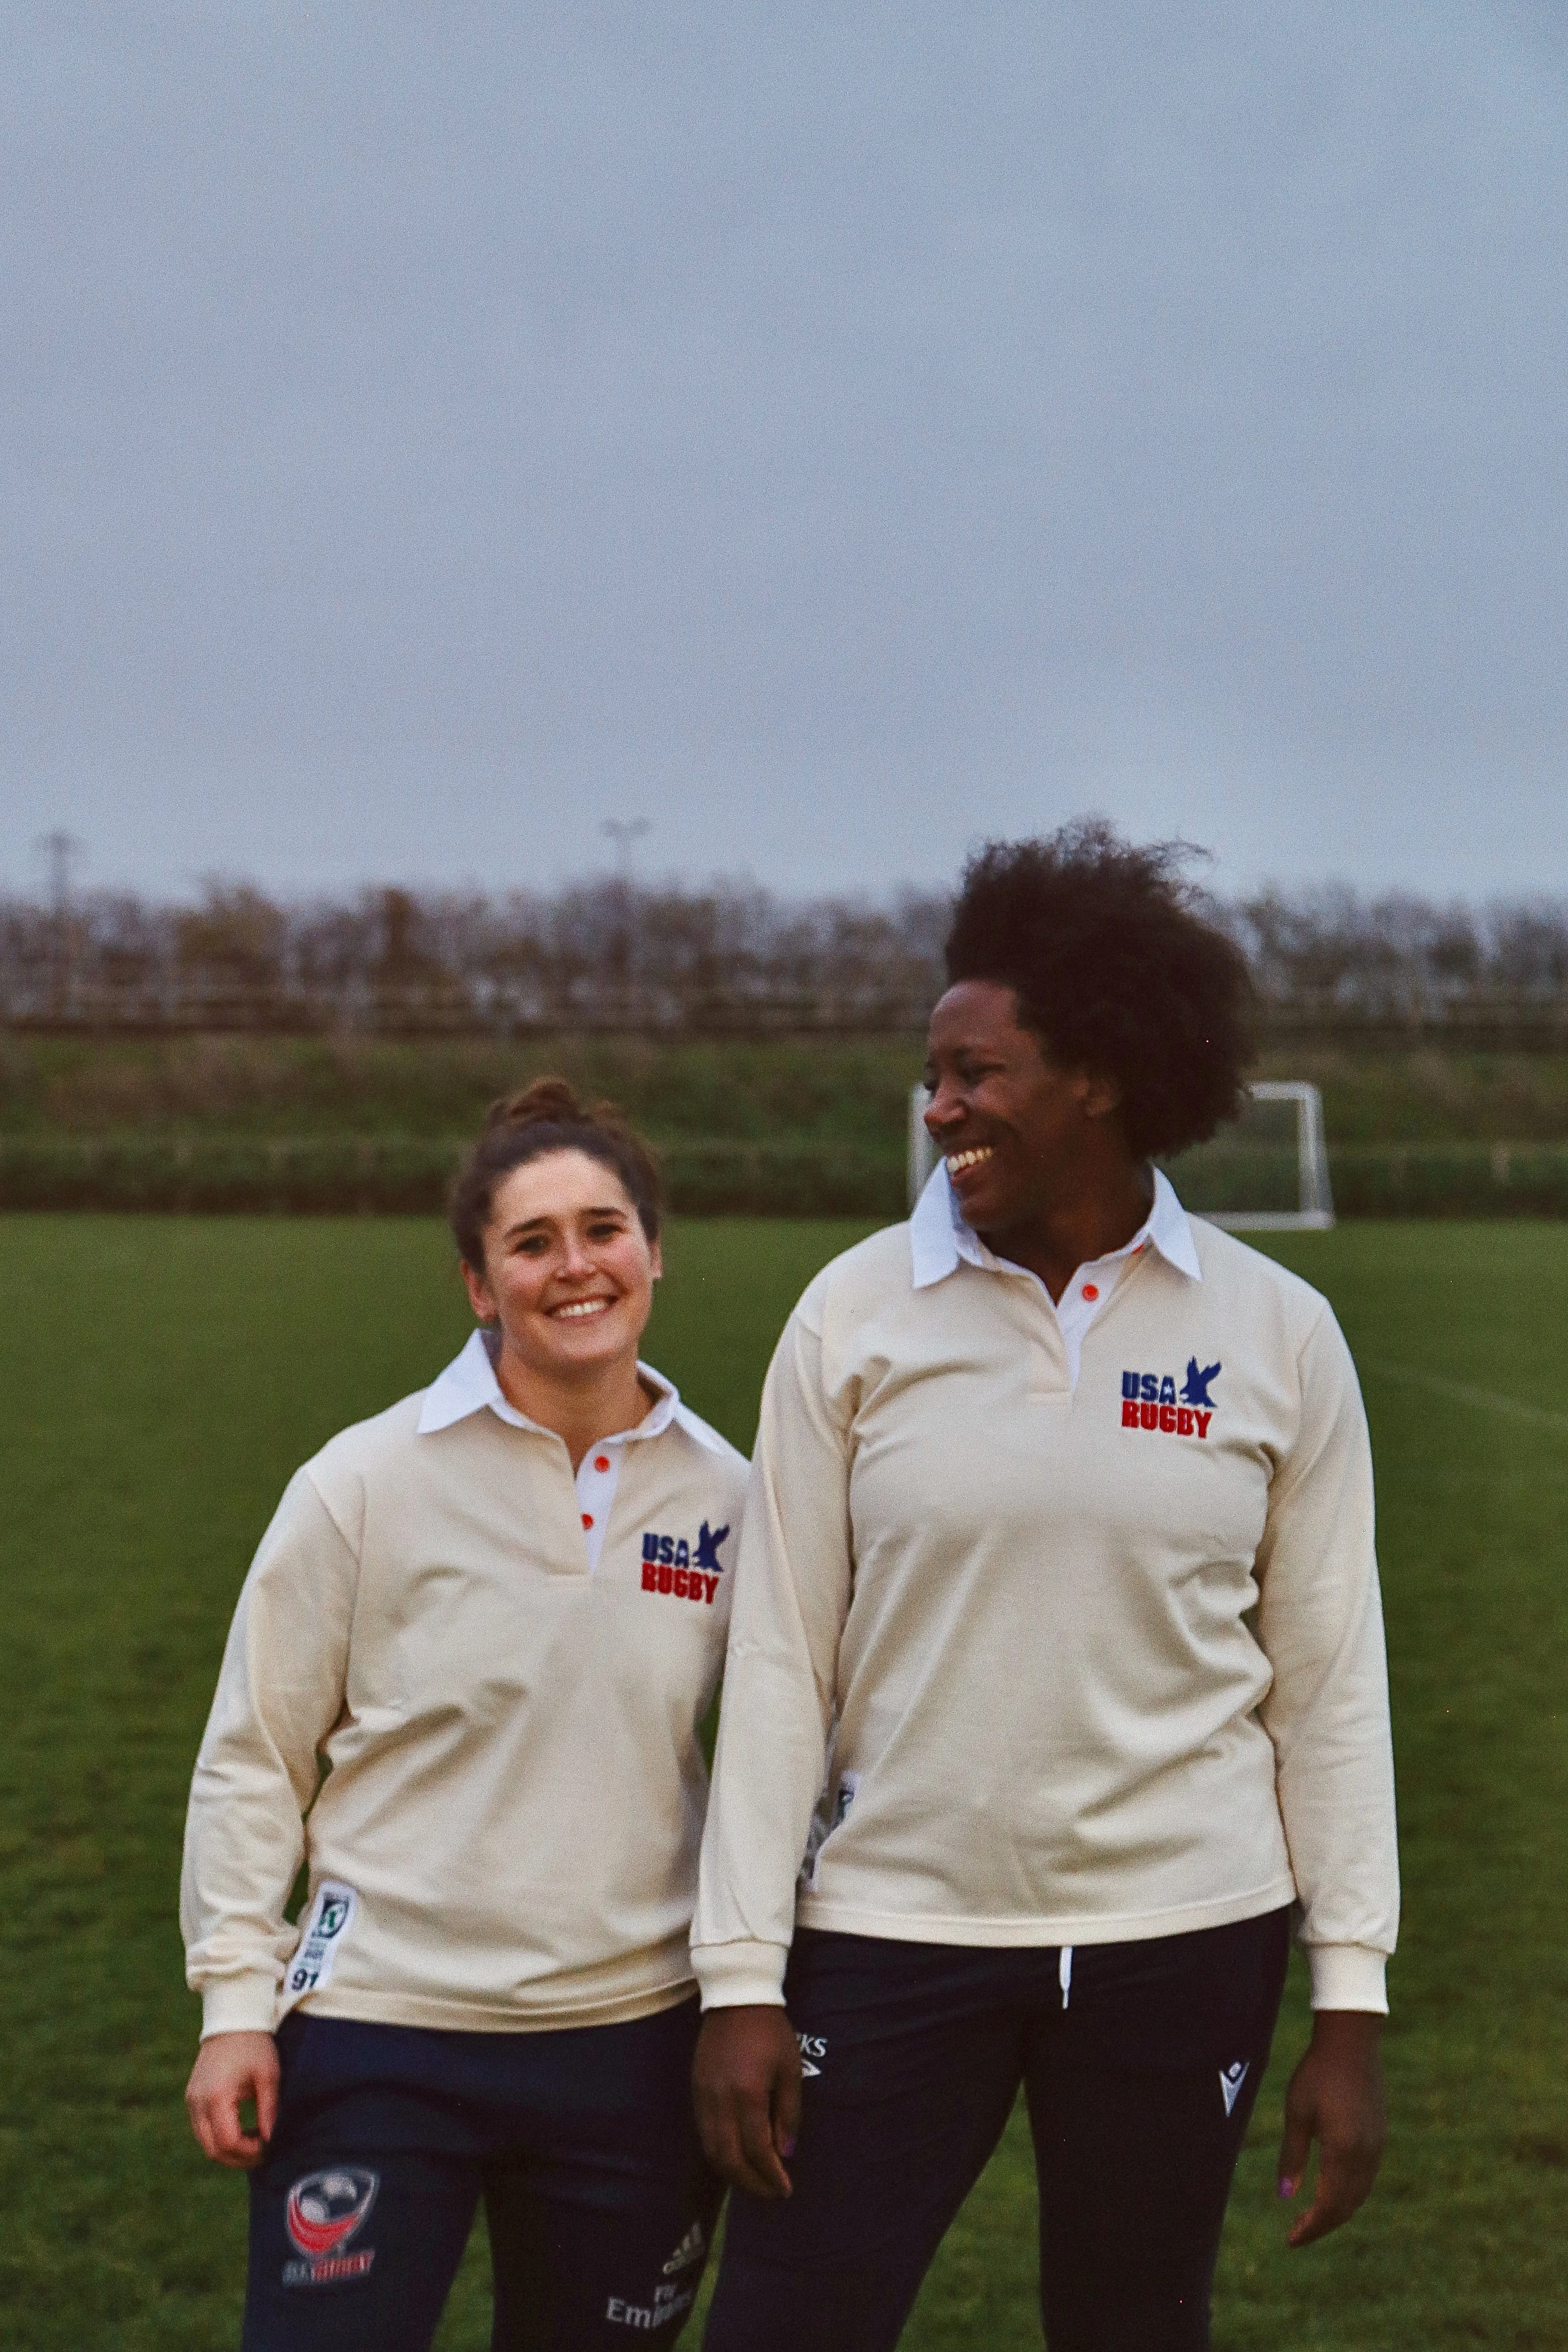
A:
{"x":1139,"y":2073}
{"x":581,"y":2144}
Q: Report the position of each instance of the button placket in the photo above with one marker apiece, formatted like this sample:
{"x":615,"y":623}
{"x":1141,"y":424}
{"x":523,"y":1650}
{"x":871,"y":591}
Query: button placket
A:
{"x":1082,"y":1304}
{"x":1047,"y":1383}
{"x":598,"y":1475}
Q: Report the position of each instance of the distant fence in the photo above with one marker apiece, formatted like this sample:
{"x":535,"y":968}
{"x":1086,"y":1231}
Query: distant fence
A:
{"x":395,"y":1176}
{"x":608,"y":958}
{"x":729,"y":959}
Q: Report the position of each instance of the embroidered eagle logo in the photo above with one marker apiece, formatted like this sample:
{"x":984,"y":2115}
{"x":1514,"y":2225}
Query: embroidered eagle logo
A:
{"x":1195,"y":1387}
{"x":710,"y":1538}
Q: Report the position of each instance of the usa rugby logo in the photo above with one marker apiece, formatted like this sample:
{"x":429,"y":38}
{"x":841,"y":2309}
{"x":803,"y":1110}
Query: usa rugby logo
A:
{"x":325,"y":2210}
{"x":1150,"y":1401}
{"x":668,"y":1565}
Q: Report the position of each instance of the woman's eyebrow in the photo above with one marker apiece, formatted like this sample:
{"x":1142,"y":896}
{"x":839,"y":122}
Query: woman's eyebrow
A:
{"x":545,"y":1221}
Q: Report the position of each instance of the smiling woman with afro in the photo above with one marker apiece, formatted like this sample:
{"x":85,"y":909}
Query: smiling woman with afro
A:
{"x":1056,"y":1653}
{"x":1116,"y":971}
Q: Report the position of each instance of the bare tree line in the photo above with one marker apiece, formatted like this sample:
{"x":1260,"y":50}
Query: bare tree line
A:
{"x":725,"y":958}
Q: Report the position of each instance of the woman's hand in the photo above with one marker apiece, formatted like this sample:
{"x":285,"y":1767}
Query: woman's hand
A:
{"x":229,"y":2069}
{"x":745,"y":2080}
{"x":1336,"y":2098}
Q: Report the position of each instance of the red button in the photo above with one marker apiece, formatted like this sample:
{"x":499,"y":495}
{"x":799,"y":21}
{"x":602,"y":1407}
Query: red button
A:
{"x":587,"y":1518}
{"x":1089,"y":1291}
{"x":601,"y":1461}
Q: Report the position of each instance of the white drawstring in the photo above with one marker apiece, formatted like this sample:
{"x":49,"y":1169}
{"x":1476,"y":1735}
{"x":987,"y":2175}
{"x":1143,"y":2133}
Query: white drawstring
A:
{"x":1064,"y":1973}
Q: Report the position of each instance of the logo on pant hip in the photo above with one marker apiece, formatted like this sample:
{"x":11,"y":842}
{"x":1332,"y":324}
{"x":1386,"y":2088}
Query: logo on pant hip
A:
{"x":670,"y":2304}
{"x":325,"y":2210}
{"x":692,"y":2249}
{"x":1231,"y":2079}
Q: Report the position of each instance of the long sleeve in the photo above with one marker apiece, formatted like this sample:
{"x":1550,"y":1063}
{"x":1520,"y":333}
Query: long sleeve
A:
{"x":793,"y":1583}
{"x":1319,"y":1623}
{"x":279,"y":1692}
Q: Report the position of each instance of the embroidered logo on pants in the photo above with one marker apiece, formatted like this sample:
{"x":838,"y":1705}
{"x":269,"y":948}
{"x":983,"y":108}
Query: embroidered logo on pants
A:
{"x":325,"y":2210}
{"x":692,"y":2249}
{"x":812,"y":2047}
{"x":1231,"y":2079}
{"x":669,"y":2305}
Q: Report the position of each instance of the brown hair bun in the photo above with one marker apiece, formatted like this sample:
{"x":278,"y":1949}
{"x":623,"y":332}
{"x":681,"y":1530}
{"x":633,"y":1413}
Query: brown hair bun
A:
{"x":551,"y":1098}
{"x":548,"y":1116}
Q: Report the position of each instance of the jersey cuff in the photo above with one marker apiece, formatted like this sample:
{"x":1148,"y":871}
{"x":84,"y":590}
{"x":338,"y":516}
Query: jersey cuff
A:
{"x":1348,"y":1975}
{"x":239,"y":2004}
{"x":740,"y":1975}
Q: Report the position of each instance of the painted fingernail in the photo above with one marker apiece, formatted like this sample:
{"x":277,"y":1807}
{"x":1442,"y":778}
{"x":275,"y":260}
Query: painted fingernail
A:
{"x":1287,"y":2188}
{"x":789,"y":2148}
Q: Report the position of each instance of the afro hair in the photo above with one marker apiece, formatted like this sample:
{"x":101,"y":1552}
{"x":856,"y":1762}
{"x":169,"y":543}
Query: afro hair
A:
{"x":1116,"y":971}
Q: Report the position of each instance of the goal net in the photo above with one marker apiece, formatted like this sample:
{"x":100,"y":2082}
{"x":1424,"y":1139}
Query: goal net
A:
{"x":1265,"y":1172}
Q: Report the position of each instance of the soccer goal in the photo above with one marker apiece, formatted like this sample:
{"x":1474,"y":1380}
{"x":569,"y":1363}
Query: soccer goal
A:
{"x":1265,"y":1171}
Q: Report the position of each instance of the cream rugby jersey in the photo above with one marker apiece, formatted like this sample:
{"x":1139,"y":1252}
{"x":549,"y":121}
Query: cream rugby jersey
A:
{"x":1063,"y":1620}
{"x":504,"y":1668}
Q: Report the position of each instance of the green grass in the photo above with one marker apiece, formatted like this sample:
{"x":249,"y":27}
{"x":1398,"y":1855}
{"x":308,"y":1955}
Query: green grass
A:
{"x":160,"y":1379}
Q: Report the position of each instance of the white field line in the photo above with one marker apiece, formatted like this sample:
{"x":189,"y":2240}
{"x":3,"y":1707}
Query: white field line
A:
{"x":1461,"y":1393}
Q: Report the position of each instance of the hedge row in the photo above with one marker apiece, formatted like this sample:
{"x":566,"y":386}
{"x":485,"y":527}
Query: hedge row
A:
{"x":402,"y":1176}
{"x":1450,"y":1180}
{"x":405,"y":1176}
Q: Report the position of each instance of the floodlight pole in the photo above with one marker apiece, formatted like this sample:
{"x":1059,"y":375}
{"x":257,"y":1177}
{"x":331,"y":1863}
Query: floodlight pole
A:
{"x":626,"y":832}
{"x":61,"y":849}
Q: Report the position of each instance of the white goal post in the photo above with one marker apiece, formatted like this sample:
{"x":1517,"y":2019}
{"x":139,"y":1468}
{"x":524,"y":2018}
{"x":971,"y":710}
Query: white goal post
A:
{"x":1267,"y":1171}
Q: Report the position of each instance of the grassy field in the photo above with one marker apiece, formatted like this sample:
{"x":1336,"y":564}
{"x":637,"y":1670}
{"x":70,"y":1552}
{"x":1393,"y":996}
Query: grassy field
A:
{"x":161,"y":1377}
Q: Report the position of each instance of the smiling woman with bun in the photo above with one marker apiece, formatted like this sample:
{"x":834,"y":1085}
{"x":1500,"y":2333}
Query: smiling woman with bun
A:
{"x":496,"y":1614}
{"x":1058,"y":1602}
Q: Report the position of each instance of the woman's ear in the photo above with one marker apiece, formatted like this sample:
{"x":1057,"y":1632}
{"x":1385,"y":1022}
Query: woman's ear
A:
{"x":480,"y":1297}
{"x":656,"y":1257}
{"x":1102,"y":1096}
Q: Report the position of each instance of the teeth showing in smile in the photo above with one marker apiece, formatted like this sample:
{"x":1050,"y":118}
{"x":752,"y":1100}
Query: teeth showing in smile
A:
{"x":973,"y":1157}
{"x":579,"y":1306}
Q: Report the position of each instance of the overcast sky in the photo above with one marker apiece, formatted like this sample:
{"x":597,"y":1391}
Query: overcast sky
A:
{"x":829,"y":433}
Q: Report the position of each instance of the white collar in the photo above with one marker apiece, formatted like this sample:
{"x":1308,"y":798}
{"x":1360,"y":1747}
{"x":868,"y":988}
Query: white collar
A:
{"x":469,"y":1384}
{"x":939,"y":1237}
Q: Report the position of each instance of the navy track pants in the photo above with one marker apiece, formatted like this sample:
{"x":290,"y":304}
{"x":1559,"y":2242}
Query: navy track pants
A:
{"x":581,"y":2144}
{"x":1140,"y":2063}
